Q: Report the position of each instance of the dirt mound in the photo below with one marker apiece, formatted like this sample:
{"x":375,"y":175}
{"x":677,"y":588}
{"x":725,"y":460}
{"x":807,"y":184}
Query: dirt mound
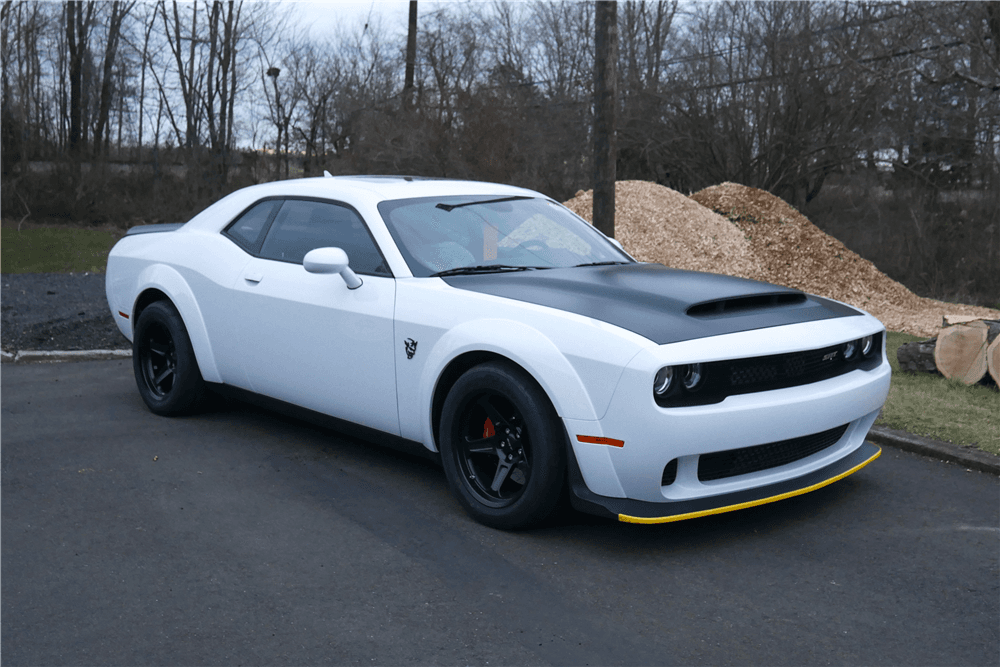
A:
{"x":794,"y":252}
{"x":657,"y":224}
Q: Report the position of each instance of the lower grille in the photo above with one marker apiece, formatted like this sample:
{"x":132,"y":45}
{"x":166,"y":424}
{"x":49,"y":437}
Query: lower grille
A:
{"x":761,"y":457}
{"x":669,"y":473}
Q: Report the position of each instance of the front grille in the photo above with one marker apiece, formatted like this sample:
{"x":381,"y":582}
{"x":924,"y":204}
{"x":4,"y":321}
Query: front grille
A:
{"x":783,"y":369}
{"x":762,"y":457}
{"x":777,"y":371}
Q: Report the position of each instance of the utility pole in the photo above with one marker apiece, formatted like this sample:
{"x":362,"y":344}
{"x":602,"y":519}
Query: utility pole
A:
{"x":411,"y":56}
{"x":274,"y":72}
{"x":605,"y":103}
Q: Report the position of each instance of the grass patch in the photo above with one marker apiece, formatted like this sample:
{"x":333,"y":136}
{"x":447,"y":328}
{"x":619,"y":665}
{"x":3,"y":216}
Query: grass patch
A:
{"x":55,"y":250}
{"x":928,"y":404}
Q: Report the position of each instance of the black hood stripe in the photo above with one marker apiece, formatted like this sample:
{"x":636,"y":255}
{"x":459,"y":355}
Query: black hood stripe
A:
{"x":652,"y":300}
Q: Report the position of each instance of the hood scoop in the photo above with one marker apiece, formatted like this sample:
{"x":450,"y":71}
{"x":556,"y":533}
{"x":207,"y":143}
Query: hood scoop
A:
{"x":742,"y":304}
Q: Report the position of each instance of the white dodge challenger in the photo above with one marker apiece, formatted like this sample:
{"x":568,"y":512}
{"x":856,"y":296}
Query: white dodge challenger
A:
{"x":491,"y":325}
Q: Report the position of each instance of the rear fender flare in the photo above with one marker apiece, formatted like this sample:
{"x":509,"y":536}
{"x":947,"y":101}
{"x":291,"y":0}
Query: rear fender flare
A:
{"x":169,"y":281}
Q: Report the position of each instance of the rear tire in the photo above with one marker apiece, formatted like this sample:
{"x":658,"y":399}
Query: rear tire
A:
{"x":502,"y":447}
{"x":166,"y":370}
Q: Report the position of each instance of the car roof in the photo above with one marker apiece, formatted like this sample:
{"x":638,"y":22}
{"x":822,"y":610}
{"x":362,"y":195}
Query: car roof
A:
{"x":381,"y":188}
{"x":361,"y":192}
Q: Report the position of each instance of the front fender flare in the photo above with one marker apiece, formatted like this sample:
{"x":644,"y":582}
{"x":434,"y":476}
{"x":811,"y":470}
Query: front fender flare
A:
{"x":169,"y":281}
{"x":524,"y":346}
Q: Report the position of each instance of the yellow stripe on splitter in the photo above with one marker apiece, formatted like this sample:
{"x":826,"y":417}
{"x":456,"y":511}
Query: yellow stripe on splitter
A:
{"x":753,"y":503}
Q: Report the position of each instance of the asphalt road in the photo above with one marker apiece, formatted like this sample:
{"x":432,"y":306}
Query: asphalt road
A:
{"x":243,"y":537}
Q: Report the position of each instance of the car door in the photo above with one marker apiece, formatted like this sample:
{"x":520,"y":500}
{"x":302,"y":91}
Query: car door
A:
{"x":306,"y":338}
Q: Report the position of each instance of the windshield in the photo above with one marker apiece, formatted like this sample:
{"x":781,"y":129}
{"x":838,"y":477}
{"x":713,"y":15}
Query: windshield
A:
{"x":438,"y":234}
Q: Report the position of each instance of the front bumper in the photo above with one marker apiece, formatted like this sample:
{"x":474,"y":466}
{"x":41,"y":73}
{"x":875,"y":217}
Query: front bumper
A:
{"x":638,"y":511}
{"x":651,"y":438}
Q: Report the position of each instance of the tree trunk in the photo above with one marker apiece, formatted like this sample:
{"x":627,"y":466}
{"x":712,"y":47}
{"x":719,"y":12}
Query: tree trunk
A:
{"x":144,"y":63}
{"x":77,"y":43}
{"x":118,"y":13}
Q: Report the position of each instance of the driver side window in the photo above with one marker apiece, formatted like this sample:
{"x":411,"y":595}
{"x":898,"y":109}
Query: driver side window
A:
{"x":301,"y":226}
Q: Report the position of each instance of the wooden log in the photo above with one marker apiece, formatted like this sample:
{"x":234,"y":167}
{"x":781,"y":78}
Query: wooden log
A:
{"x":960,"y":352}
{"x":917,"y":357}
{"x":993,"y":360}
{"x":948,"y":320}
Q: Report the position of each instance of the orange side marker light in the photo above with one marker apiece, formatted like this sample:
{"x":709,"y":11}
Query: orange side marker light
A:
{"x":123,"y":314}
{"x":598,"y":440}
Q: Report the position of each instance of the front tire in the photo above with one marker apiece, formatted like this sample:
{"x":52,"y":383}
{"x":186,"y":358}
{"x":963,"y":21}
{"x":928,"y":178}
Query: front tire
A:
{"x":166,"y":371}
{"x":502,"y":447}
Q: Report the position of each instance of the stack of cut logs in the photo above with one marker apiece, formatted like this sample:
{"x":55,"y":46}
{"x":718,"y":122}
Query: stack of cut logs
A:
{"x":967,"y":349}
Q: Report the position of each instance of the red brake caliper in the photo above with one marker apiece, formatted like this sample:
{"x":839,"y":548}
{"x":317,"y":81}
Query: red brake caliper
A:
{"x":488,"y":430}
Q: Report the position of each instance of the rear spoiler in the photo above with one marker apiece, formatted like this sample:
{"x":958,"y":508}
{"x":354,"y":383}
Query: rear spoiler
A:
{"x":152,"y":229}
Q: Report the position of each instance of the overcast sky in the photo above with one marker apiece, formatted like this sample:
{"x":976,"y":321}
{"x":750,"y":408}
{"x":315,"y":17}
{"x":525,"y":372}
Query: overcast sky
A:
{"x":326,"y":16}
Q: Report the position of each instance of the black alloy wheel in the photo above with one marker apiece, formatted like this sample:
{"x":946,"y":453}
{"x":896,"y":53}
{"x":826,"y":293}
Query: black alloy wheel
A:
{"x":494,"y":450}
{"x":158,"y":357}
{"x":503,"y":446}
{"x":166,"y":370}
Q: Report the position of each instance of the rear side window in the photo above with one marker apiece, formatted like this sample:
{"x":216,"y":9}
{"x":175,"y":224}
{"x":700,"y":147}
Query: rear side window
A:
{"x":248,"y":229}
{"x":302,"y":225}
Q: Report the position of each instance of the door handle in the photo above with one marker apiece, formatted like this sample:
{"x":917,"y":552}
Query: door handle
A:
{"x":253,"y":276}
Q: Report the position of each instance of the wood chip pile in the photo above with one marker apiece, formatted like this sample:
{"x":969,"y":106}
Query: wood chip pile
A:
{"x":657,"y":224}
{"x":760,"y":236}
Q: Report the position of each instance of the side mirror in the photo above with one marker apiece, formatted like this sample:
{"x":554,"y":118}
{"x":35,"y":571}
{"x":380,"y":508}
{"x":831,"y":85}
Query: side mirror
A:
{"x":331,"y":260}
{"x":616,"y":243}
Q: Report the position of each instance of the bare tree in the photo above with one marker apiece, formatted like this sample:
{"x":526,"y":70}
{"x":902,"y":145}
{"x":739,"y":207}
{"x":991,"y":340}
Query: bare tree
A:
{"x":149,"y":22}
{"x":177,"y":34}
{"x":316,"y":74}
{"x":119,"y":10}
{"x":563,"y":59}
{"x":220,"y":84}
{"x":644,"y":31}
{"x":24,"y":99}
{"x":79,"y":22}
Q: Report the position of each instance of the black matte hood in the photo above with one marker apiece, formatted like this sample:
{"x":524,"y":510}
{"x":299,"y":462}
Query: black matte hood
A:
{"x":661,"y":304}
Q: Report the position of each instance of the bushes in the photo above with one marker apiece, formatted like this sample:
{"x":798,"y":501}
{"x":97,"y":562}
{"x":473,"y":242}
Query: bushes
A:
{"x":111,"y":193}
{"x":941,"y":244}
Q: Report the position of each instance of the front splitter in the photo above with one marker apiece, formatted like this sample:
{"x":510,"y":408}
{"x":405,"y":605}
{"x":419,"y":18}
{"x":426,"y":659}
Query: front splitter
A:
{"x":638,"y":511}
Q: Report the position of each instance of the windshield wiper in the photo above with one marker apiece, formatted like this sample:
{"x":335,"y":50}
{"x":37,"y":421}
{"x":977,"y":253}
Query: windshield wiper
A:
{"x":451,"y":207}
{"x":614,"y":261}
{"x":484,"y":268}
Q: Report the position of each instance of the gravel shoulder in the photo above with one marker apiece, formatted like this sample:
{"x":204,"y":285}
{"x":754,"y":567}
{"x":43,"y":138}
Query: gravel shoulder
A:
{"x":56,"y":311}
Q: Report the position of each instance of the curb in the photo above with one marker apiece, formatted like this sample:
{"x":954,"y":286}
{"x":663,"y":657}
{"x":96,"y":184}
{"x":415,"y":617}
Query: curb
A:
{"x":54,"y":356}
{"x":973,"y":459}
{"x":945,"y":451}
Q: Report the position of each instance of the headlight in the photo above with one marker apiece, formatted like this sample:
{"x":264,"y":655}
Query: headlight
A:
{"x":663,"y":380}
{"x":692,"y":377}
{"x":850,"y":348}
{"x":866,"y":345}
